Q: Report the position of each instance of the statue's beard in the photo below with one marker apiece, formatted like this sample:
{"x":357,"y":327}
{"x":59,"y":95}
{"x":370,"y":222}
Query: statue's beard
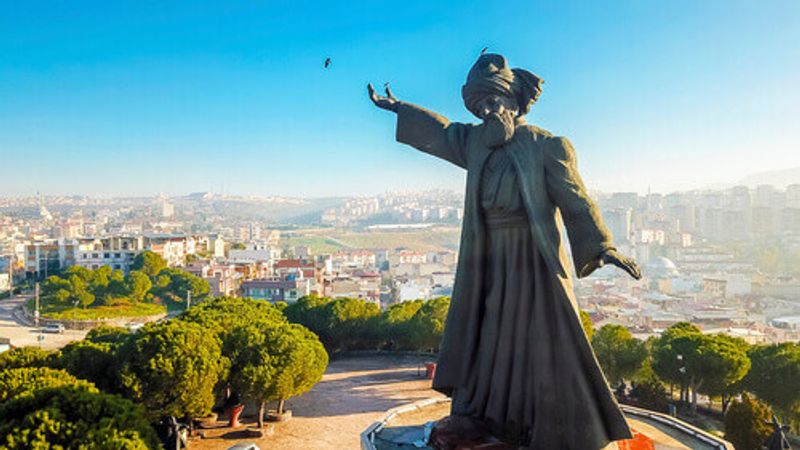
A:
{"x":498,"y":129}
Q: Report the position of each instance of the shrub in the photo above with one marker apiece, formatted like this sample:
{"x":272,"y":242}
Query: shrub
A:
{"x":26,"y":357}
{"x":747,"y":423}
{"x":74,"y":417}
{"x":650,"y":394}
{"x":26,"y":380}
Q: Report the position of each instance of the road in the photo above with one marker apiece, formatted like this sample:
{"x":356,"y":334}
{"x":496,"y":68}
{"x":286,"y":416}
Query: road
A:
{"x":22,"y":335}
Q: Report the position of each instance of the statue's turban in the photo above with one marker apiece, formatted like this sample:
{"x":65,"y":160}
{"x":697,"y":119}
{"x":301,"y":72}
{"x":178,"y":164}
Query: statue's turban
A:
{"x":490,"y":75}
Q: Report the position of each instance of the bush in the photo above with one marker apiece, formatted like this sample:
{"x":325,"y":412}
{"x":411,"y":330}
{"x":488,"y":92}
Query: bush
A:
{"x":26,"y":357}
{"x":747,"y":423}
{"x":74,"y":417}
{"x":93,"y":361}
{"x":24,"y":381}
{"x":106,"y":334}
{"x":650,"y":394}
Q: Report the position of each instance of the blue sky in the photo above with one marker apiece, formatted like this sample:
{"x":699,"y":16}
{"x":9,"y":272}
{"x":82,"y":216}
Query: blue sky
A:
{"x":114,"y":98}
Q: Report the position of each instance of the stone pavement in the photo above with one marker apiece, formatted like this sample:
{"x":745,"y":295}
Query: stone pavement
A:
{"x":353,"y":393}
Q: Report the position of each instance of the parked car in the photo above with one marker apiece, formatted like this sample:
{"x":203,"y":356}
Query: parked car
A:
{"x":53,"y":328}
{"x":244,"y":446}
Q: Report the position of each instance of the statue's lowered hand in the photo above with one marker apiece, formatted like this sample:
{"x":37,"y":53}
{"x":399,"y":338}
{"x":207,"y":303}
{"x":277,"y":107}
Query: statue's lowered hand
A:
{"x":623,"y":262}
{"x":389,"y":102}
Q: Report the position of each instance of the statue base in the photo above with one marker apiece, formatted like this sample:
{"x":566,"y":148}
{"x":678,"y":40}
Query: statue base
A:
{"x":464,"y":433}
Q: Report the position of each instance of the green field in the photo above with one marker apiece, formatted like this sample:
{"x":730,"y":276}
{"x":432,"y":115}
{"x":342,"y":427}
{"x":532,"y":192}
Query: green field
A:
{"x":328,"y":241}
{"x":316,"y":244}
{"x":101,"y":312}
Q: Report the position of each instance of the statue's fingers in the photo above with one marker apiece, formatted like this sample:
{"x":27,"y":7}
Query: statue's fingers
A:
{"x":633,"y":269}
{"x":372,"y":94}
{"x":389,"y":93}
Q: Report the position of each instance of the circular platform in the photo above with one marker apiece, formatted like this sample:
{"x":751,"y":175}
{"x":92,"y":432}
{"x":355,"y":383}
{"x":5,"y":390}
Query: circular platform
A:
{"x":408,"y":427}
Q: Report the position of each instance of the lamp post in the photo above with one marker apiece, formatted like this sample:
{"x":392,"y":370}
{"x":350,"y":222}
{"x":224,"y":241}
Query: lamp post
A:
{"x":36,"y":304}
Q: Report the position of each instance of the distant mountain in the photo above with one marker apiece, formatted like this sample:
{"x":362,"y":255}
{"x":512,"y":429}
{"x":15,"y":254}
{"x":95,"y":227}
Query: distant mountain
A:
{"x":778,"y":178}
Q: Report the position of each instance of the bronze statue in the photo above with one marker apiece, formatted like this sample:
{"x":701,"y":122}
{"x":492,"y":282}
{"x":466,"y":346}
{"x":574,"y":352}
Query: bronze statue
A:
{"x":514,"y":357}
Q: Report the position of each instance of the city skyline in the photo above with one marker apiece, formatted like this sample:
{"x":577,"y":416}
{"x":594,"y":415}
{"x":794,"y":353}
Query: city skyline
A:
{"x":122,"y":100}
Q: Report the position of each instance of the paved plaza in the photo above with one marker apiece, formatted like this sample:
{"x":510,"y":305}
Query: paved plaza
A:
{"x":353,"y":393}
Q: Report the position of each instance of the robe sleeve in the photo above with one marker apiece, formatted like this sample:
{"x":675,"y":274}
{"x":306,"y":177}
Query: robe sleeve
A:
{"x":588,"y":236}
{"x":431,"y":133}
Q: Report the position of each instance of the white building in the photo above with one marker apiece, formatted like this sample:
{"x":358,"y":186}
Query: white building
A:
{"x":5,"y":282}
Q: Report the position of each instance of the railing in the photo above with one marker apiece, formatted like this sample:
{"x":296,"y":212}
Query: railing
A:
{"x":677,"y":424}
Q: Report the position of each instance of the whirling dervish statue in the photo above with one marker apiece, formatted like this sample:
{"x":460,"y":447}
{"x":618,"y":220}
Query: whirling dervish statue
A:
{"x":514,"y":357}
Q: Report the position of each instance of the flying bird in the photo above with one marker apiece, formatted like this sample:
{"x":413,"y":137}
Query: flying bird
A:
{"x":327,"y":62}
{"x":483,"y":52}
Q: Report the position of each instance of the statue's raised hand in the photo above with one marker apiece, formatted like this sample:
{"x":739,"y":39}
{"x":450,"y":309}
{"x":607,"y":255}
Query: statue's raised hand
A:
{"x":388,"y":103}
{"x":623,"y":262}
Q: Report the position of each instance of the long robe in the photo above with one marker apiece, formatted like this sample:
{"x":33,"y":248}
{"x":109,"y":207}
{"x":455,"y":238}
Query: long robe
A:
{"x":580,"y":404}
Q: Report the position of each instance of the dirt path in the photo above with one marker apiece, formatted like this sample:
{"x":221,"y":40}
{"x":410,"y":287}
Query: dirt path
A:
{"x":353,"y":393}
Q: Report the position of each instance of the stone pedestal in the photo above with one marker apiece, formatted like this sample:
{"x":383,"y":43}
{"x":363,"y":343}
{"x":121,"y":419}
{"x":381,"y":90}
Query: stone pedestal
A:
{"x":427,"y":425}
{"x":463,"y":433}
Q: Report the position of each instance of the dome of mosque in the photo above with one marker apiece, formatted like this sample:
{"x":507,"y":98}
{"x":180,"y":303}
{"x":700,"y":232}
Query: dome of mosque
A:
{"x":660,"y":267}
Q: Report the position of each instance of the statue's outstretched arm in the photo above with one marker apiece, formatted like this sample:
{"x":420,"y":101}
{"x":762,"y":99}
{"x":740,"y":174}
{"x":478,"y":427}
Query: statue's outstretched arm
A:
{"x":589,"y":238}
{"x":425,"y":130}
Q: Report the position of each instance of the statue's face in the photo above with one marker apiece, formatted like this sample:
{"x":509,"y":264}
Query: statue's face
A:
{"x":499,"y":114}
{"x":497,"y":104}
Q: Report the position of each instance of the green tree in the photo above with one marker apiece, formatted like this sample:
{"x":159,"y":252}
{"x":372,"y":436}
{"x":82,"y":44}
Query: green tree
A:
{"x":26,"y":380}
{"x":106,"y":334}
{"x":341,"y":324}
{"x":747,"y":424}
{"x":74,"y":417}
{"x":309,"y":311}
{"x":427,"y":325}
{"x":149,"y":262}
{"x":699,"y":363}
{"x":56,"y":289}
{"x":669,"y":352}
{"x":275,"y":362}
{"x":775,"y":378}
{"x":93,"y":361}
{"x":172,"y":368}
{"x":181,"y":282}
{"x":28,"y":356}
{"x":222,"y":314}
{"x":137,"y":285}
{"x":396,"y":324}
{"x":727,"y":368}
{"x":620,"y":354}
{"x":83,"y":273}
